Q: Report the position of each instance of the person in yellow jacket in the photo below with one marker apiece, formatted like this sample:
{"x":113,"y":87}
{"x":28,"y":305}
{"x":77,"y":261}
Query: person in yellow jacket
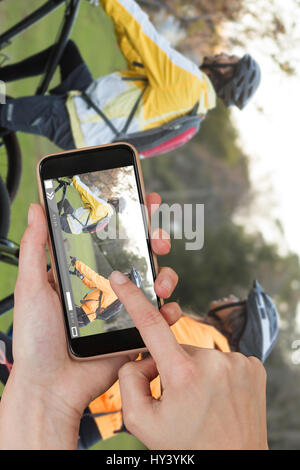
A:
{"x":95,"y":211}
{"x":159,"y":85}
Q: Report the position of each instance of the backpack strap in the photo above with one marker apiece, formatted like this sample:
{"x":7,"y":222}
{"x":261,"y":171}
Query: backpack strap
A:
{"x":118,"y":134}
{"x":98,"y":310}
{"x":88,"y":218}
{"x":132,"y":113}
{"x":195,"y":109}
{"x":88,"y":100}
{"x":75,"y":218}
{"x":61,"y":202}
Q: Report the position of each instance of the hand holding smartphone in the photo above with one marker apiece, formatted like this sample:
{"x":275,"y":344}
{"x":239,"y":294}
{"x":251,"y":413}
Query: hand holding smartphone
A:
{"x":44,"y":377}
{"x":94,"y":203}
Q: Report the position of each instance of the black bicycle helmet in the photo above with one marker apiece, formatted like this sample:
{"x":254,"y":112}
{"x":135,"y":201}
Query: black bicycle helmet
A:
{"x":135,"y":277}
{"x":242,"y":85}
{"x":261,"y":330}
{"x":261,"y":326}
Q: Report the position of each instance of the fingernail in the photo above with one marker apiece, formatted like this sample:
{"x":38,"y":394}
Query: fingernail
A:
{"x":162,"y":235}
{"x":166,"y":284}
{"x":155,"y":234}
{"x":30,"y":214}
{"x":118,"y":277}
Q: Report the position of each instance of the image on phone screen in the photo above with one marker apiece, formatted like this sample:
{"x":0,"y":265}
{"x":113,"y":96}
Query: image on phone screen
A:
{"x":98,"y":226}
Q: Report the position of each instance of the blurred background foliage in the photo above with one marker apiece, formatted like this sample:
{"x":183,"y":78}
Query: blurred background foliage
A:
{"x":212,"y":169}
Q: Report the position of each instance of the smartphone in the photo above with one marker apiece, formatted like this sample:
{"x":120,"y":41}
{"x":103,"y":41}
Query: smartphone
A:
{"x":94,"y":202}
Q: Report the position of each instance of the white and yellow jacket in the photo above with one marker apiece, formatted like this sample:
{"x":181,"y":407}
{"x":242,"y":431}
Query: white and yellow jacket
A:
{"x":94,"y":208}
{"x":175,"y":84}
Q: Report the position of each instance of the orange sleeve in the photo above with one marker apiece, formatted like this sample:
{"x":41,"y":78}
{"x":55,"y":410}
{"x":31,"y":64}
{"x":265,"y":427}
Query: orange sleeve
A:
{"x":109,"y":402}
{"x":92,"y":279}
{"x":195,"y":333}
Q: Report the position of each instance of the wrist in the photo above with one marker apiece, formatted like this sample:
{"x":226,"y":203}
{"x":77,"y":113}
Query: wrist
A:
{"x":34,"y":417}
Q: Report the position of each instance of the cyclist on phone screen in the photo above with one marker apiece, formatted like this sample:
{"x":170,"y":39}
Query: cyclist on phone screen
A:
{"x":100,"y":302}
{"x":159,"y":85}
{"x":93,"y":215}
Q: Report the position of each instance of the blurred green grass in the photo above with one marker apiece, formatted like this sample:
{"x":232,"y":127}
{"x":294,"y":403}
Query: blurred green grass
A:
{"x":94,"y":34}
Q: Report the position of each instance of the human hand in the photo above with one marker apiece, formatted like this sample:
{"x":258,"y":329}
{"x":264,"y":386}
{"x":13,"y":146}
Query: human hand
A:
{"x":210,"y":399}
{"x":44,"y":378}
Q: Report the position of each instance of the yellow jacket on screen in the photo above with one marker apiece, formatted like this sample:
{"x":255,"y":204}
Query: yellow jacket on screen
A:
{"x":174,"y":83}
{"x":93,"y":210}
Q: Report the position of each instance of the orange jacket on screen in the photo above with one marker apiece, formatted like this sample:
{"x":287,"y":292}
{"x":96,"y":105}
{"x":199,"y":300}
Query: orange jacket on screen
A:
{"x":97,"y":285}
{"x":186,"y":331}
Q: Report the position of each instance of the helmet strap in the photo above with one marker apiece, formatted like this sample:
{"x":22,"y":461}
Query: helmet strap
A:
{"x":218,"y":65}
{"x":223,"y":307}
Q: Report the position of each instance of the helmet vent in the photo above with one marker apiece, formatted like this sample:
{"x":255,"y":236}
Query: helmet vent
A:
{"x":252,"y":77}
{"x":240,"y":82}
{"x":242,"y":96}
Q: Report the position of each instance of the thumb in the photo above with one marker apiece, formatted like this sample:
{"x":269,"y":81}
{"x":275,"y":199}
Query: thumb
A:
{"x":137,"y":400}
{"x":32,"y":258}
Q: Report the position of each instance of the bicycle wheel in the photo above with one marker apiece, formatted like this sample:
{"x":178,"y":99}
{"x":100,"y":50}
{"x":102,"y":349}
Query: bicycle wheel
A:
{"x":4,"y":209}
{"x":6,"y":358}
{"x":10,"y":162}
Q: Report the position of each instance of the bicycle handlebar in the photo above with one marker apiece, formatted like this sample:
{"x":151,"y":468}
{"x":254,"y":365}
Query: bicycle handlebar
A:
{"x":6,"y":304}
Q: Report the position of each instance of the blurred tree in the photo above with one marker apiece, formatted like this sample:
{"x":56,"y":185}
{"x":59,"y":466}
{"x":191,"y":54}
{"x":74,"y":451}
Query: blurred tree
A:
{"x":228,"y":263}
{"x":203,"y":22}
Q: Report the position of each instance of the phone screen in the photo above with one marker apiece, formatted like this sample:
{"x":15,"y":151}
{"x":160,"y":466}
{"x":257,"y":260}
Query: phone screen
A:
{"x":98,"y":226}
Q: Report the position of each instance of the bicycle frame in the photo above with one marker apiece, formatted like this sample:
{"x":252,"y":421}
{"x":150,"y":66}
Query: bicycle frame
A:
{"x":9,"y":252}
{"x":6,"y":304}
{"x":69,"y":19}
{"x":34,"y":17}
{"x":67,"y":25}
